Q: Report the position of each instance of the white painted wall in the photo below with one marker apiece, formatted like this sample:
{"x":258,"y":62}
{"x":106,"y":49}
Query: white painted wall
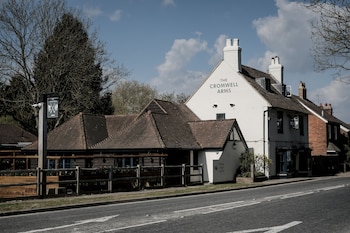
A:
{"x":234,"y":97}
{"x":221,"y":166}
{"x":227,"y":91}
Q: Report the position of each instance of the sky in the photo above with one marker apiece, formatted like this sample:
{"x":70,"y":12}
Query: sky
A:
{"x":173,"y":45}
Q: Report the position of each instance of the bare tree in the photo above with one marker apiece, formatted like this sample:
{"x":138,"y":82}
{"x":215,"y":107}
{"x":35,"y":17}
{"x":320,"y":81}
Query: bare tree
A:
{"x":131,"y":97}
{"x":25,"y":26}
{"x":331,"y":34}
{"x":173,"y":97}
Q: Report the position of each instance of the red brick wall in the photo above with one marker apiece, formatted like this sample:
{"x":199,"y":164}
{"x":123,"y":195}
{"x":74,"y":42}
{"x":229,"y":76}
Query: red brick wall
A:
{"x":317,"y":135}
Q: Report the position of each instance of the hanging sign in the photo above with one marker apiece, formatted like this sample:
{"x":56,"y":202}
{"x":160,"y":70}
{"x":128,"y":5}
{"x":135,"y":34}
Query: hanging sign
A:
{"x":52,"y":107}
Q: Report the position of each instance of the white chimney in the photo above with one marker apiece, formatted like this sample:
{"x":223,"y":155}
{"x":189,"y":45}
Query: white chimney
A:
{"x":276,"y":69}
{"x":232,"y":54}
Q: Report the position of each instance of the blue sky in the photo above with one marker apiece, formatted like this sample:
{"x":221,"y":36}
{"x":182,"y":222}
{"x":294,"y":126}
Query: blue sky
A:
{"x":174,"y":44}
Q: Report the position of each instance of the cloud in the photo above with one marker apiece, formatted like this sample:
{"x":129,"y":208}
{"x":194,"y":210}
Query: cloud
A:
{"x":92,"y":12}
{"x":168,"y":3}
{"x":173,"y":72}
{"x":217,"y":53}
{"x":116,"y":16}
{"x":287,"y":35}
{"x":337,"y":94}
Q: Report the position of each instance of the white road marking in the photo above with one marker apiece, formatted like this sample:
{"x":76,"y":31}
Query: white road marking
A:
{"x":274,"y":229}
{"x":133,"y":226}
{"x":291,"y":195}
{"x":103,"y":219}
{"x":215,"y":208}
{"x":332,"y":187}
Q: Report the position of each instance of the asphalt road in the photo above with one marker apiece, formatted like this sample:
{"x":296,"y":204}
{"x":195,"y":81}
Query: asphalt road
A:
{"x":320,"y":205}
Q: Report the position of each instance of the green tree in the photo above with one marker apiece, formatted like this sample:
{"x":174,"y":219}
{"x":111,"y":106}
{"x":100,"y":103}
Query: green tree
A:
{"x":131,"y":97}
{"x":27,"y":28}
{"x":67,"y":65}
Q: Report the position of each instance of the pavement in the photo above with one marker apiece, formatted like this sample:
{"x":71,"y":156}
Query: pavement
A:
{"x":50,"y":204}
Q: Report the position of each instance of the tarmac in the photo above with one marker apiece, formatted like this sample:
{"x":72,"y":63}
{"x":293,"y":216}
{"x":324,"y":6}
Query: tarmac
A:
{"x":69,"y":202}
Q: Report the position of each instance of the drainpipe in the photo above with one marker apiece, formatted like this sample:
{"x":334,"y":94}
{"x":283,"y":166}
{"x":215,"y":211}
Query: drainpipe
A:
{"x":264,"y":139}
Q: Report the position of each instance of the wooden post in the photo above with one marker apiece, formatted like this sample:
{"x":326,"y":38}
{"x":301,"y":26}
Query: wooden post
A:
{"x":77,"y":177}
{"x":38,"y":179}
{"x":138,"y":176}
{"x":202,"y":175}
{"x":162,"y":172}
{"x":183,"y":177}
{"x":110,"y":179}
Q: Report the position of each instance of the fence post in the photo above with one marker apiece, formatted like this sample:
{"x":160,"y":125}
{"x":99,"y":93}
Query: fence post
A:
{"x":138,"y":176}
{"x":162,"y":178}
{"x":183,"y":172}
{"x":202,"y":175}
{"x":38,"y":178}
{"x":110,"y":179}
{"x":77,"y":177}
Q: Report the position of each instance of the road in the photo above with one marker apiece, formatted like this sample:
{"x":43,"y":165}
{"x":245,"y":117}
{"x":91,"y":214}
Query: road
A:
{"x":319,"y":205}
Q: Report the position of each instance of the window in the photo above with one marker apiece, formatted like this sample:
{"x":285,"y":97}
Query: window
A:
{"x":126,"y":162}
{"x":66,"y":163}
{"x":220,"y":116}
{"x":51,"y":164}
{"x":279,"y":122}
{"x":329,"y":128}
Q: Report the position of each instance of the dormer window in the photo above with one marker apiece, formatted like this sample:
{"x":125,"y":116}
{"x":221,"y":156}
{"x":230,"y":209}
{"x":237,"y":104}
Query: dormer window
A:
{"x":264,"y":83}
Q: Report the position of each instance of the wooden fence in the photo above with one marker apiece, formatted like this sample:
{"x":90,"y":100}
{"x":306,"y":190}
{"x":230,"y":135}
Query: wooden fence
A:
{"x":76,"y":181}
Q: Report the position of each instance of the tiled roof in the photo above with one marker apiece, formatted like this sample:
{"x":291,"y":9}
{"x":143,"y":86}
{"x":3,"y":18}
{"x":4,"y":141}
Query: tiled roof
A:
{"x":78,"y":133}
{"x":13,"y":134}
{"x":212,"y":134}
{"x":138,"y":134}
{"x":318,"y":110}
{"x":275,"y":98}
{"x":161,"y":125}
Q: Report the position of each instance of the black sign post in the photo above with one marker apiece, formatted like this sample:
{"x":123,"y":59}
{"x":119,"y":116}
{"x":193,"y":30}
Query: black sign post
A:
{"x":48,"y":108}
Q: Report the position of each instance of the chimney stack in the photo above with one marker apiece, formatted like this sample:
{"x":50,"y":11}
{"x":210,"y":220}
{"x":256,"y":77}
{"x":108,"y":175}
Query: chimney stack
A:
{"x":328,"y":108}
{"x":302,"y":90}
{"x":232,"y":54}
{"x":276,"y":69}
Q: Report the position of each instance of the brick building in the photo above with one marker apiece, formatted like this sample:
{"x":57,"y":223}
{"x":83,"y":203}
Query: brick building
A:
{"x":327,"y":135}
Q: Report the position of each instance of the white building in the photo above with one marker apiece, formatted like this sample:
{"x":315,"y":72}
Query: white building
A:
{"x":272,"y":121}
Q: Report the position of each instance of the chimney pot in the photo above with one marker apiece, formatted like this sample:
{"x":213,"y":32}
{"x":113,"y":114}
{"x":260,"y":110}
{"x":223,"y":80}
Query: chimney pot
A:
{"x":276,"y":69}
{"x":232,"y":54}
{"x":302,"y":90}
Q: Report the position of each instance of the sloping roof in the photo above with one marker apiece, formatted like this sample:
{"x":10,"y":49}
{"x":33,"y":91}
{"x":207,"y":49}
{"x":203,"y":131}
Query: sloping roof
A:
{"x":15,"y":135}
{"x":116,"y":123}
{"x":212,"y":133}
{"x":138,"y":134}
{"x":321,"y":113}
{"x":78,"y":133}
{"x":162,"y":124}
{"x":332,"y":148}
{"x":273,"y":96}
